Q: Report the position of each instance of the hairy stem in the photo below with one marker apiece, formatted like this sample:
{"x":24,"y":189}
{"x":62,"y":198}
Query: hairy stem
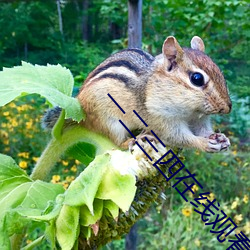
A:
{"x":16,"y":240}
{"x":57,"y":147}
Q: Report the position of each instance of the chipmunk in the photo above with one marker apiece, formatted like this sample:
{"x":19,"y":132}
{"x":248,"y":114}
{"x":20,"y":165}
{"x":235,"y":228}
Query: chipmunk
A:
{"x":174,"y":92}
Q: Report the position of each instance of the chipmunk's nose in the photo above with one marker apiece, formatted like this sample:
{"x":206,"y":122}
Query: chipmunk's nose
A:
{"x":226,"y":109}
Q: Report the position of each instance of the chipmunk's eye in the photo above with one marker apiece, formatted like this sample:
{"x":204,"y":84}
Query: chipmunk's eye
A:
{"x":197,"y":79}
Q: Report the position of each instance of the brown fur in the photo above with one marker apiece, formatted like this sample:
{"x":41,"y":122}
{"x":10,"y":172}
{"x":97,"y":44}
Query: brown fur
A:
{"x":159,"y":89}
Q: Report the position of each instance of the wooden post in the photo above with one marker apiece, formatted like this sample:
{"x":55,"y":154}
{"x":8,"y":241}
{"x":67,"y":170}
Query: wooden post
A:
{"x":85,"y":20}
{"x":131,"y":238}
{"x":58,"y":2}
{"x":134,"y":23}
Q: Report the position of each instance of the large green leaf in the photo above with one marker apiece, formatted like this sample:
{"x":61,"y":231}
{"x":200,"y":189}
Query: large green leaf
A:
{"x":67,"y":226}
{"x":40,"y":193}
{"x":118,"y":188}
{"x":86,"y":218}
{"x":9,"y":168}
{"x":83,"y":152}
{"x":10,"y":201}
{"x":83,"y":189}
{"x":6,"y":186}
{"x":20,"y":197}
{"x":53,"y":82}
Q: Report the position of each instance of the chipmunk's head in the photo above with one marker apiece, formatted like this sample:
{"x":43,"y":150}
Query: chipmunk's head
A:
{"x":194,"y":78}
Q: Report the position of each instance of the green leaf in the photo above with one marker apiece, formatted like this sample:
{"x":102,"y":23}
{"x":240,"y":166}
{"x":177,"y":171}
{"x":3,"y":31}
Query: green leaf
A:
{"x":9,"y":220}
{"x":4,"y":240}
{"x":48,"y":215}
{"x":67,"y":226}
{"x":83,"y":152}
{"x":86,"y":231}
{"x":14,"y":198}
{"x":39,"y":194}
{"x":53,"y":82}
{"x":26,"y":202}
{"x":86,"y":218}
{"x":6,"y":186}
{"x":112,"y":208}
{"x":9,"y":168}
{"x":50,"y":234}
{"x":118,"y":188}
{"x":83,"y":189}
{"x":20,"y":197}
{"x":14,"y":223}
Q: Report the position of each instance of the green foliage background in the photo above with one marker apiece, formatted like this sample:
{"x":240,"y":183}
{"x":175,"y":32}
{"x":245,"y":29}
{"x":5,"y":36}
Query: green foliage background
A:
{"x":30,"y":32}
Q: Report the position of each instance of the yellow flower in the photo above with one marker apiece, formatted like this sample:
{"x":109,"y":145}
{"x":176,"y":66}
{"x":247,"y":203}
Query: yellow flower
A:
{"x":35,"y":159}
{"x":211,"y":196}
{"x":234,"y":152}
{"x":4,"y":134}
{"x":73,"y":168}
{"x":65,"y":163}
{"x":23,"y":107}
{"x":187,"y":211}
{"x":197,"y":242}
{"x":182,"y":248}
{"x":24,"y":154}
{"x":77,"y":162}
{"x":246,"y":228}
{"x":6,"y":113}
{"x":70,"y":178}
{"x":14,"y":123}
{"x":224,"y":164}
{"x":235,"y":203}
{"x":195,"y":188}
{"x":29,"y":124}
{"x":12,"y":105}
{"x":55,"y":178}
{"x":245,"y":198}
{"x":23,"y":164}
{"x":65,"y":185}
{"x":6,"y":141}
{"x":238,"y":218}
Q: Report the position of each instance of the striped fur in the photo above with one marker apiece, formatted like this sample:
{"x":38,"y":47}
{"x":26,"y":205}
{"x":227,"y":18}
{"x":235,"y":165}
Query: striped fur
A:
{"x":160,"y":90}
{"x":132,"y":62}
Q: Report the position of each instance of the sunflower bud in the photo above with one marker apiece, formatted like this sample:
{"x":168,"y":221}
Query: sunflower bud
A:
{"x":149,"y":185}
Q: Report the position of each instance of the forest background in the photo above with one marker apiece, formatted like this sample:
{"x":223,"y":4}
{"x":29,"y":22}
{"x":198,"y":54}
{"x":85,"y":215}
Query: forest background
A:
{"x":79,"y":34}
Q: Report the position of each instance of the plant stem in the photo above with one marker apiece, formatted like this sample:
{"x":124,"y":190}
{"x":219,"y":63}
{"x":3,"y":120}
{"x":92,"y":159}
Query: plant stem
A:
{"x":57,"y":147}
{"x":16,"y":240}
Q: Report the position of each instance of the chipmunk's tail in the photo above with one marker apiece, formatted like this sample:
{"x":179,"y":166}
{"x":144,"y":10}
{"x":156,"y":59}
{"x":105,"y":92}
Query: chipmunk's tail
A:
{"x":50,"y":117}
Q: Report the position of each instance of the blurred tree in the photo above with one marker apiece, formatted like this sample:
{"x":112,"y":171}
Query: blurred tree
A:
{"x":31,"y":31}
{"x":86,"y":20}
{"x":134,"y":23}
{"x":60,"y":21}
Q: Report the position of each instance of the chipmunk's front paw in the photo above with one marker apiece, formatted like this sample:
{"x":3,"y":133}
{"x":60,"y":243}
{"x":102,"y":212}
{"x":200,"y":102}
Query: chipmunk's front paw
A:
{"x":218,"y":142}
{"x":144,"y":136}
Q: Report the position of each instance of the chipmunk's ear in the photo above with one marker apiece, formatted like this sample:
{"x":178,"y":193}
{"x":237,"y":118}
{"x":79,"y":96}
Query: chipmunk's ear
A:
{"x":171,"y":49}
{"x":197,"y":43}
